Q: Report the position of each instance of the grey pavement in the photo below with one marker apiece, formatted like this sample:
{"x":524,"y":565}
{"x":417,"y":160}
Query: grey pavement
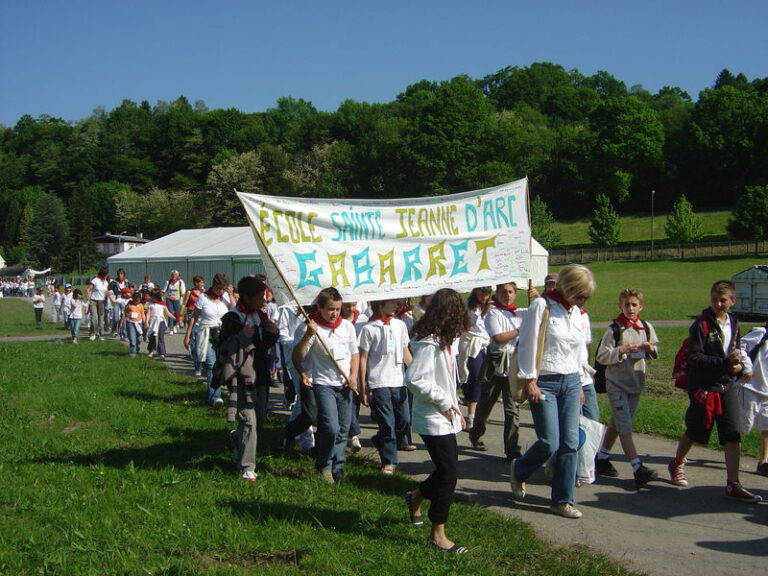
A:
{"x":661,"y":529}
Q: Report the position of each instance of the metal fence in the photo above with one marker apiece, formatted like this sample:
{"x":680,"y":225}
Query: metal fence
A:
{"x":659,"y":252}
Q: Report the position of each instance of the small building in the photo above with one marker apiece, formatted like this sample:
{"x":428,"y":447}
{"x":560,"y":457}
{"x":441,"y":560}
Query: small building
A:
{"x":109,"y":244}
{"x":752,"y":291}
{"x":204,"y":252}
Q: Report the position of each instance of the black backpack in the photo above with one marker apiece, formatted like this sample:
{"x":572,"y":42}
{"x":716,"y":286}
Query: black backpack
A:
{"x":599,"y":375}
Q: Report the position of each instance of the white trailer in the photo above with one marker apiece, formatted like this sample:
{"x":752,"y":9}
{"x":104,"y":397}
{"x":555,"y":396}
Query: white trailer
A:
{"x":752,"y":291}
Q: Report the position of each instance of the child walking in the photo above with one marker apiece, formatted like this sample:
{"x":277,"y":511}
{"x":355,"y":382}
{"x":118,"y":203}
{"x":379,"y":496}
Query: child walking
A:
{"x":383,"y":344}
{"x":38,"y":303}
{"x":133,"y":322}
{"x":753,"y":394}
{"x":436,"y":415}
{"x":246,"y":336}
{"x":333,"y":391}
{"x":625,"y":361}
{"x":157,"y":323}
{"x":714,"y":364}
{"x":76,"y":310}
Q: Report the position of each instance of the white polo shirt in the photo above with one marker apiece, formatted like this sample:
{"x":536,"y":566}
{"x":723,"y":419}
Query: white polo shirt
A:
{"x":342,"y":344}
{"x":384,"y":344}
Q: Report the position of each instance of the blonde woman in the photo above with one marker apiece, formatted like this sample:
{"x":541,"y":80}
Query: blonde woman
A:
{"x":552,"y":380}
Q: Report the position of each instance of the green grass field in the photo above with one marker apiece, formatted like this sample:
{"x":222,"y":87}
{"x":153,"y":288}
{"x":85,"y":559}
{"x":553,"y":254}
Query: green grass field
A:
{"x":17,"y":318}
{"x":637,"y":228}
{"x":112,"y":465}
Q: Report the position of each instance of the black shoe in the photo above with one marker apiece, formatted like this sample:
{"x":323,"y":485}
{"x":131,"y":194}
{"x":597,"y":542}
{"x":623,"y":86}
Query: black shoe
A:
{"x":644,"y":475}
{"x":479,"y":445}
{"x":603,"y":467}
{"x":762,"y":469}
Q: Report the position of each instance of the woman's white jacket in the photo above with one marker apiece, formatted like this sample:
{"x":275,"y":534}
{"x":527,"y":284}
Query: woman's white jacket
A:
{"x":432,"y":381}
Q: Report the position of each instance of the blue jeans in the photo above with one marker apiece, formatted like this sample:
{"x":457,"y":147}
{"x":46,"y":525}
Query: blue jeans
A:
{"x":556,"y":421}
{"x":590,"y":408}
{"x":133,"y":338}
{"x":389,"y":409}
{"x":174,"y":307}
{"x":334,"y":407}
{"x":74,"y":326}
{"x":210,"y":359}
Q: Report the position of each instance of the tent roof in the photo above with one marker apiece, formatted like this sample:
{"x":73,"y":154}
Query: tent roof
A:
{"x":207,"y":243}
{"x":202,"y":244}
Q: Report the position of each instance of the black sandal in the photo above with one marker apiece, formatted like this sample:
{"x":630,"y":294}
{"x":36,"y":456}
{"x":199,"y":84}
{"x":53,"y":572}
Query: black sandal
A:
{"x":416,"y":519}
{"x":455,"y":549}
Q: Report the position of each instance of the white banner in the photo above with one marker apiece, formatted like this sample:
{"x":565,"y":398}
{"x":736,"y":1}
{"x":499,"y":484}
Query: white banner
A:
{"x":376,"y":249}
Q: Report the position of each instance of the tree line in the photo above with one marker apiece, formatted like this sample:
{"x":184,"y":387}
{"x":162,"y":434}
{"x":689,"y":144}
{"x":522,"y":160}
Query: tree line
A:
{"x":588,"y":144}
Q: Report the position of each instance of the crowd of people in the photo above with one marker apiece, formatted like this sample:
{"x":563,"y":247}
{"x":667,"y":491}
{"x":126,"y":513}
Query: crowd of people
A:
{"x":437,"y":368}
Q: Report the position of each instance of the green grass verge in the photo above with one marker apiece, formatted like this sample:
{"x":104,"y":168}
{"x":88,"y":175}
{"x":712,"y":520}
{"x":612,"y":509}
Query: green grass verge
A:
{"x":17,"y":318}
{"x":673,"y":289}
{"x":663,"y":406}
{"x":637,"y":228}
{"x":111,"y":465}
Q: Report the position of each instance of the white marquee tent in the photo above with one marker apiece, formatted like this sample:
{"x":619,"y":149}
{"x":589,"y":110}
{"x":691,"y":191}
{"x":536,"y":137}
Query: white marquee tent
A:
{"x":233,"y":251}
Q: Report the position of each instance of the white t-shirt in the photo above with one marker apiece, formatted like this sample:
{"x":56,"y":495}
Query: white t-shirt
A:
{"x":38,"y":301}
{"x":211,"y":311}
{"x":341,"y":342}
{"x":384,"y":344}
{"x":498,"y":321}
{"x":100,"y":286}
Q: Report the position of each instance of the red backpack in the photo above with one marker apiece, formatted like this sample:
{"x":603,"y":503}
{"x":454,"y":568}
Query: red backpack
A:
{"x":680,"y":369}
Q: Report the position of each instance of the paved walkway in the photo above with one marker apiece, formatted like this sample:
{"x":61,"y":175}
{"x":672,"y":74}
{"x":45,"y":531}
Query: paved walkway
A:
{"x":662,"y":529}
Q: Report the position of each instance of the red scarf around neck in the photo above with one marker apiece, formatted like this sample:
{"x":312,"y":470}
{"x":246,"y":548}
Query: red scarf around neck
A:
{"x":624,"y":321}
{"x":555,"y":296}
{"x":355,"y":316}
{"x":509,"y":307}
{"x":320,"y":321}
{"x":247,"y":310}
{"x":384,"y":319}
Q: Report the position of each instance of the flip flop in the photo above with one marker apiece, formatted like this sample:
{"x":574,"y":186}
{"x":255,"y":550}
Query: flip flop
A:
{"x":455,"y":549}
{"x":416,"y":520}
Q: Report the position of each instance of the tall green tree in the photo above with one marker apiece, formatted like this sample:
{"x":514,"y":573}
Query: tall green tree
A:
{"x":543,"y":224}
{"x":749,"y":219}
{"x":604,"y":229}
{"x":48,"y":232}
{"x":80,"y":251}
{"x":244,"y":172}
{"x":682,"y":225}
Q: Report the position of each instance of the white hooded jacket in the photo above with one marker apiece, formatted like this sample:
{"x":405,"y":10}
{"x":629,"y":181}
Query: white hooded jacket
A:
{"x":432,"y":380}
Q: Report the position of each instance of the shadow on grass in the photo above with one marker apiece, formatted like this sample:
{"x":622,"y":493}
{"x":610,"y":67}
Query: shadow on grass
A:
{"x":192,"y":450}
{"x":190,"y":396}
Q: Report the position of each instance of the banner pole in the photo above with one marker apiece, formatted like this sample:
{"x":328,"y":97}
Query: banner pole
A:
{"x":301,"y":308}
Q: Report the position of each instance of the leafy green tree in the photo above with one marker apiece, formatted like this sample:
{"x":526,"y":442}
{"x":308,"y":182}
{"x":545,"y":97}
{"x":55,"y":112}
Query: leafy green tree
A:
{"x":80,"y":251}
{"x":749,"y":219}
{"x":543,"y":224}
{"x":604,"y":230}
{"x":629,"y":141}
{"x":243,"y":172}
{"x":682,"y":225}
{"x":48,"y":232}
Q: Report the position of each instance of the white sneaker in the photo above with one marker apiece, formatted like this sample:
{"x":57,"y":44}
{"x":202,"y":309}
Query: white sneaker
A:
{"x":218,"y":403}
{"x":566,"y":511}
{"x":92,"y":337}
{"x":518,"y":487}
{"x":354,"y":444}
{"x":151,"y":354}
{"x":250,"y":476}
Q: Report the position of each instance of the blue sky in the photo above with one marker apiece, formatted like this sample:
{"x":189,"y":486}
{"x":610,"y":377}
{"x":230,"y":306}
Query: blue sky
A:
{"x":65,"y":58}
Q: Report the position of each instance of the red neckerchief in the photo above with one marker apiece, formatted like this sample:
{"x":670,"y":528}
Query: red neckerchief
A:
{"x":158,"y":302}
{"x":101,"y":277}
{"x":402,"y":311}
{"x":384,"y":319}
{"x":555,"y":296}
{"x":318,"y":319}
{"x":508,"y":308}
{"x":171,"y":282}
{"x":624,"y":321}
{"x":247,"y":310}
{"x":355,"y":316}
{"x":212,"y":295}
